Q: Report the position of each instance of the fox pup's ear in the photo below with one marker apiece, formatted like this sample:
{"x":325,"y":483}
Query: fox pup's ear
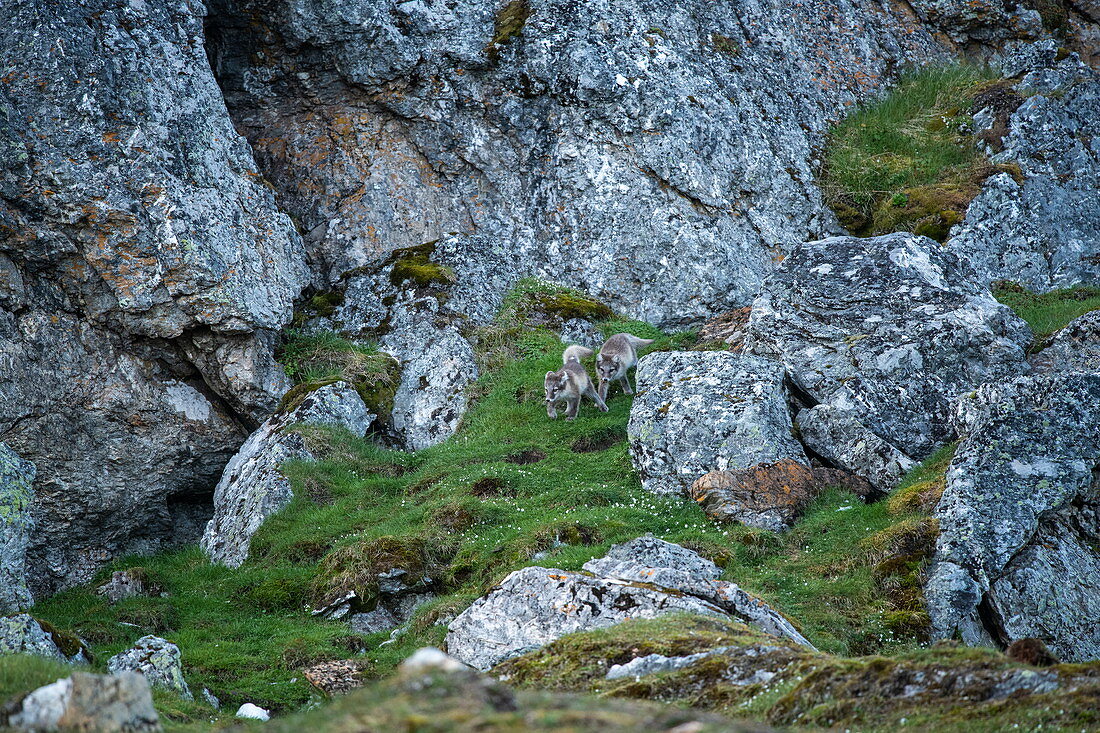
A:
{"x":549,"y":375}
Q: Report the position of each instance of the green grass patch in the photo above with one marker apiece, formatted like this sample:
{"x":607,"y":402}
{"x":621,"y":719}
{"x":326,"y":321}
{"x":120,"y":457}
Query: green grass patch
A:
{"x":907,"y":162}
{"x":1047,"y":312}
{"x":22,"y":673}
{"x":509,"y":485}
{"x":313,"y":359}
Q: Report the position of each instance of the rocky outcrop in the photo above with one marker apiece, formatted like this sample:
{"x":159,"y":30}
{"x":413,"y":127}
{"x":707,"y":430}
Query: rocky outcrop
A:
{"x":525,"y":124}
{"x":644,"y":578}
{"x":702,"y":411}
{"x":141,"y":255}
{"x":125,"y":584}
{"x":106,"y":703}
{"x":888,"y":328}
{"x":981,"y":22}
{"x":157,"y":659}
{"x":1075,"y":348}
{"x":24,"y":634}
{"x":839,"y":437}
{"x":1020,"y":518}
{"x":1040,"y":228}
{"x":253,"y":487}
{"x":16,"y":525}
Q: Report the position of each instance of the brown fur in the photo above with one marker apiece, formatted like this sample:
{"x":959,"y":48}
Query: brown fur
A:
{"x":1031,"y":651}
{"x":569,"y":384}
{"x":617,"y":356}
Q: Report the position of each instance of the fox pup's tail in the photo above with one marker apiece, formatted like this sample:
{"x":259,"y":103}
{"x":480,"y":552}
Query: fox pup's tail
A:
{"x":575,"y":353}
{"x":636,"y":342}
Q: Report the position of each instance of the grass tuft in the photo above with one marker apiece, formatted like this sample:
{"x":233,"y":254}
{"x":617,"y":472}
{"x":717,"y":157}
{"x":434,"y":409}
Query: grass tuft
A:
{"x":907,"y":162}
{"x":1047,"y":312}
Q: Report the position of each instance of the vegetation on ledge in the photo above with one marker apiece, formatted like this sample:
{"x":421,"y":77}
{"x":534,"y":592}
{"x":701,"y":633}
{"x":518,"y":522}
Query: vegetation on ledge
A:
{"x":909,"y":161}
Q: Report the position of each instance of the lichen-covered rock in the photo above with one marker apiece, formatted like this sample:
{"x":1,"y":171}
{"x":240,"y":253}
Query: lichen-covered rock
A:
{"x":644,"y":578}
{"x":16,"y":525}
{"x":702,"y":411}
{"x":582,"y":332}
{"x":126,"y":450}
{"x":1075,"y":348}
{"x":24,"y":634}
{"x":729,"y":328}
{"x":137,"y":240}
{"x":769,"y":495}
{"x":157,"y":659}
{"x":125,"y":584}
{"x":1041,"y":228}
{"x":253,"y":487}
{"x":622,"y":148}
{"x":983,"y":21}
{"x":115,"y":703}
{"x":838,"y":437}
{"x":1020,"y":518}
{"x":336,"y":677}
{"x":890,"y":328}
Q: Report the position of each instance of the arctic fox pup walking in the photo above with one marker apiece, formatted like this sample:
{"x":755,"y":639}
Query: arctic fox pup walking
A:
{"x":570,"y":383}
{"x":617,"y":355}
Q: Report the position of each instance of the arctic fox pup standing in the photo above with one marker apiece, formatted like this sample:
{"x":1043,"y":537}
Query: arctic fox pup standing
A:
{"x":570,"y":383}
{"x":617,"y":355}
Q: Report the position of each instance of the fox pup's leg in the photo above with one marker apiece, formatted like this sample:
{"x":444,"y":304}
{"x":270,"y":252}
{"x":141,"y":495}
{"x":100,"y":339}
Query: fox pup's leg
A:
{"x":625,"y":381}
{"x":573,"y":404}
{"x":604,"y":385}
{"x":597,"y":398}
{"x":551,"y":410}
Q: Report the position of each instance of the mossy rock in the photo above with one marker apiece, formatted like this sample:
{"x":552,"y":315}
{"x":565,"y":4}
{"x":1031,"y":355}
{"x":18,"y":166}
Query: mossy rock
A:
{"x":507,"y":25}
{"x":356,"y":567}
{"x":69,"y":643}
{"x":414,"y":264}
{"x":930,"y":211}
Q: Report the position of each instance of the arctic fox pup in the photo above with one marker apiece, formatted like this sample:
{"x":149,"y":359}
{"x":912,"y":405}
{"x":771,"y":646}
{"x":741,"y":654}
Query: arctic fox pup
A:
{"x":617,"y":355}
{"x":570,"y":383}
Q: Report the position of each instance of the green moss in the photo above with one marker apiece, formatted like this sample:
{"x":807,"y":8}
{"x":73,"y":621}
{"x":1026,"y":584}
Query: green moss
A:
{"x":1047,"y":312}
{"x":414,"y":264}
{"x":725,"y":44}
{"x":507,"y":25}
{"x":315,"y":359}
{"x":69,"y":643}
{"x":906,"y":162}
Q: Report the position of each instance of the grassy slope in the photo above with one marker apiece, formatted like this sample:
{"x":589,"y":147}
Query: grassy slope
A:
{"x":467,"y":516}
{"x":905,"y":161}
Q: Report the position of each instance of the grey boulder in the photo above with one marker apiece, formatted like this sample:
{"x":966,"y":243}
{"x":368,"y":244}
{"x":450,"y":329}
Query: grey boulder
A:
{"x":702,"y":411}
{"x":888,"y":328}
{"x":119,"y":703}
{"x":1020,"y":518}
{"x":1042,"y":230}
{"x":16,"y":525}
{"x":253,"y":487}
{"x":157,"y":659}
{"x":644,"y":578}
{"x":23,"y":634}
{"x":837,"y":436}
{"x":1075,"y":348}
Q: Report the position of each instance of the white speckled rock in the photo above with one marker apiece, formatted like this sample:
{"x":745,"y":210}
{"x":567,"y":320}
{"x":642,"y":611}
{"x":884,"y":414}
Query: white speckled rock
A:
{"x":16,"y":525}
{"x":535,"y":605}
{"x":840,"y":438}
{"x":1044,"y":230}
{"x":252,"y":488}
{"x":889,"y":328}
{"x":119,"y":703}
{"x":702,"y":411}
{"x":23,"y":634}
{"x":157,"y":659}
{"x":1020,"y":518}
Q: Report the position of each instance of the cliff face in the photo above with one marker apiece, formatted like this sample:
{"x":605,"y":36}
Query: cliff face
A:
{"x":174,"y":176}
{"x":143,"y":270}
{"x":656,"y":154}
